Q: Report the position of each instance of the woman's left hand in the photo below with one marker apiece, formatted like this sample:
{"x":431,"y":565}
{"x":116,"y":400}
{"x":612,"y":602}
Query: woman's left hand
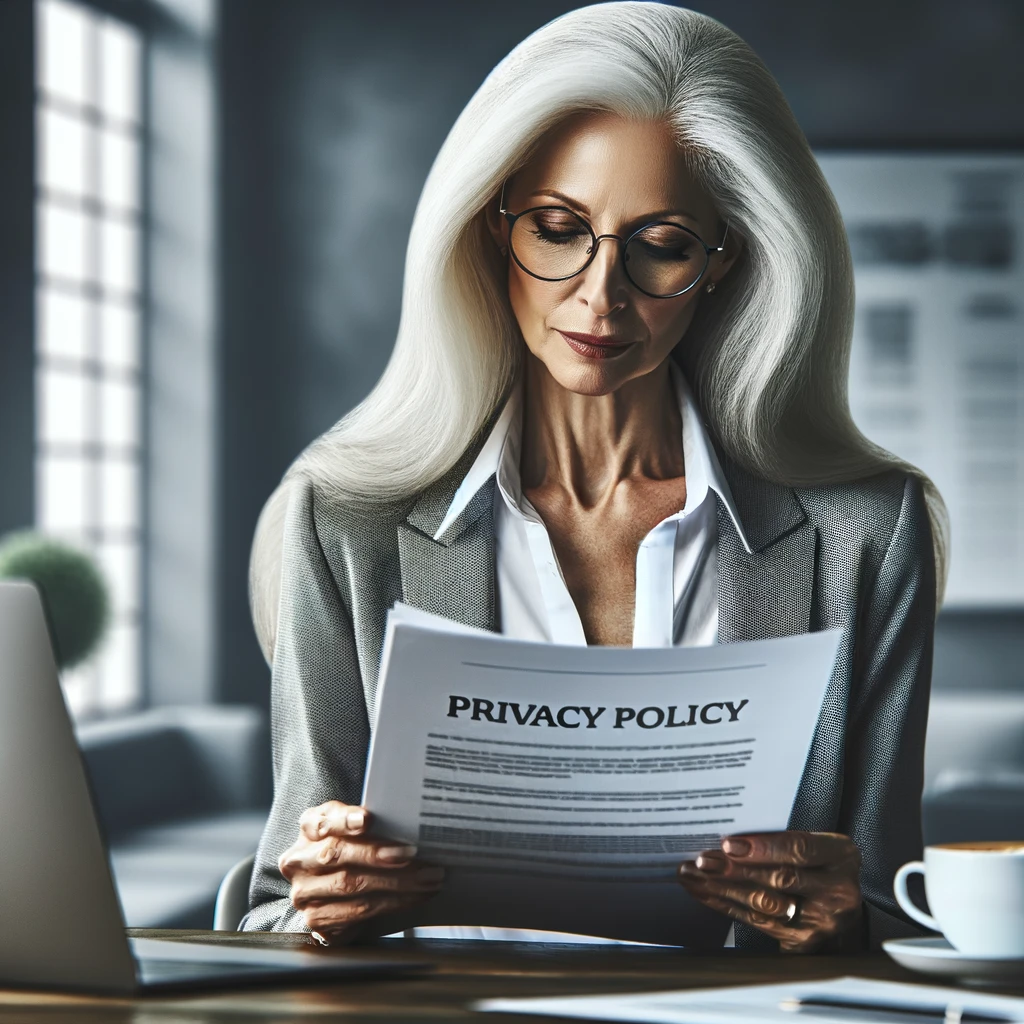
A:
{"x":757,"y":877}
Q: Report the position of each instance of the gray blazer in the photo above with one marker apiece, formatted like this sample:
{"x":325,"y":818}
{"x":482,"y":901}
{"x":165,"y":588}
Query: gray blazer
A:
{"x":856,"y":556}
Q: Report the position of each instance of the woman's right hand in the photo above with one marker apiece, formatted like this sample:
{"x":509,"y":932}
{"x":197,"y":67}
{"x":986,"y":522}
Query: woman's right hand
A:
{"x":340,"y":877}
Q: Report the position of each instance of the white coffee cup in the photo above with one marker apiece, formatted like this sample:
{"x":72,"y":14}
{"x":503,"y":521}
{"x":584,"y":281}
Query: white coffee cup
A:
{"x":976,"y":893}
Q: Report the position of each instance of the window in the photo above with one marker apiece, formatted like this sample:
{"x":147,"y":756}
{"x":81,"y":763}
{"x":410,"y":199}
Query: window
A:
{"x":89,"y":224}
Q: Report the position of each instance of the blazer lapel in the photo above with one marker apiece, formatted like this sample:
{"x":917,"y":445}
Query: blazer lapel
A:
{"x":765,"y":592}
{"x":454,"y":575}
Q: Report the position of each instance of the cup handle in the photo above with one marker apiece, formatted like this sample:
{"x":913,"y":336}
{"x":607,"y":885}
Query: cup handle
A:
{"x":903,"y":897}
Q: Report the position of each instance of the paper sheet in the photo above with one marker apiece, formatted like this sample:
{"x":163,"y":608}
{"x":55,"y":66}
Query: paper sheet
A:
{"x":562,"y":785}
{"x":760,"y":1004}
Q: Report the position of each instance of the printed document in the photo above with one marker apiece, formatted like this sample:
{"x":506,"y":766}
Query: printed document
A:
{"x":833,"y":999}
{"x":561,"y":786}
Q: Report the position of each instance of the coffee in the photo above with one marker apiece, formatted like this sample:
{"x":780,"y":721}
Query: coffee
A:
{"x":996,"y":846}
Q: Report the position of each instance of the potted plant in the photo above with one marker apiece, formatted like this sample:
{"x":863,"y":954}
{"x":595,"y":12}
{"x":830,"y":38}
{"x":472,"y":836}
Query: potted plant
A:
{"x":74,"y":590}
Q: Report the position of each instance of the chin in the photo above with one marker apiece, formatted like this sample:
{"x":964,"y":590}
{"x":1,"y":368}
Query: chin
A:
{"x":593,"y":379}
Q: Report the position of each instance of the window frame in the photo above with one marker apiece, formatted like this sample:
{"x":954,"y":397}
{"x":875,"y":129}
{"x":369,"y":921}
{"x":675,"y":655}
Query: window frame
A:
{"x":97,"y":297}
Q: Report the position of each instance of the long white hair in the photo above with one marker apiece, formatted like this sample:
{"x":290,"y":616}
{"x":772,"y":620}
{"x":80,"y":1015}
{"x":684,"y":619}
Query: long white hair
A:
{"x":768,"y":358}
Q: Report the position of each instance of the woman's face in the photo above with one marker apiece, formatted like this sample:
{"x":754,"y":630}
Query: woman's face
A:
{"x":619,"y":175}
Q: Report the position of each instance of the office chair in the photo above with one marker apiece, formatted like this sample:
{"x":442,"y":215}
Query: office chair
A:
{"x":233,"y":896}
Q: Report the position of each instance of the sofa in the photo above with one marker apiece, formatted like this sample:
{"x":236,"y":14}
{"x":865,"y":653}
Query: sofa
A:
{"x":974,"y":767}
{"x":182,"y":794}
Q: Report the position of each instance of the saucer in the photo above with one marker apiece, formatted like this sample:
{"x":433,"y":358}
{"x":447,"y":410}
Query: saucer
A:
{"x":935,"y":956}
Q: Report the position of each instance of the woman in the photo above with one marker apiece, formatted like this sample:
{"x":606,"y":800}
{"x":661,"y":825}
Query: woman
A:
{"x":624,"y":232}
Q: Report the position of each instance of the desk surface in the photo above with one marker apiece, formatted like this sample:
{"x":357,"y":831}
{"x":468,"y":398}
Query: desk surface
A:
{"x":466,"y":971}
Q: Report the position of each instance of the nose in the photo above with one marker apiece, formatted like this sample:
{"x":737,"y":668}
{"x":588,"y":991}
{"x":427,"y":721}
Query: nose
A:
{"x":604,"y":285}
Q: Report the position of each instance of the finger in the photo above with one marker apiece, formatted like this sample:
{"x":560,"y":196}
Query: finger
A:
{"x":769,"y":902}
{"x":328,"y":854}
{"x":781,"y":877}
{"x":336,"y":915}
{"x":716,"y":852}
{"x":347,"y":883}
{"x":816,"y":926}
{"x":333,"y":819}
{"x":803,"y":849}
{"x":772,"y":926}
{"x":736,"y":911}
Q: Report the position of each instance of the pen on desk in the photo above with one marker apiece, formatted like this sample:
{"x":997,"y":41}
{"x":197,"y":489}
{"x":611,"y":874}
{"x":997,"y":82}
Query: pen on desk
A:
{"x":852,"y":1010}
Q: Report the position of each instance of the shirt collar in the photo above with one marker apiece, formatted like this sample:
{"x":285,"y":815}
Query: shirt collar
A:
{"x":499,"y":457}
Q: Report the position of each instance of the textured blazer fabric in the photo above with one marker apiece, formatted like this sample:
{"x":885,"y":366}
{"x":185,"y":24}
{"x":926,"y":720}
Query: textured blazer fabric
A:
{"x":855,"y":556}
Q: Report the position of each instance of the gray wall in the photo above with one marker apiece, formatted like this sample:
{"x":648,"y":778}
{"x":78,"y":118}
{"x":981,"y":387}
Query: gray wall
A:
{"x":331,"y":114}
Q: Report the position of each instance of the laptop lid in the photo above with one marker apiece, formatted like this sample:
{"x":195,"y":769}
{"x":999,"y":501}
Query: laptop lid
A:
{"x":60,"y":918}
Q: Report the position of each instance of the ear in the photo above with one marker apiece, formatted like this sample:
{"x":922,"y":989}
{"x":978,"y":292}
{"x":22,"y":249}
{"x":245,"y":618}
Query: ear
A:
{"x":496,"y":223}
{"x":721,"y":262}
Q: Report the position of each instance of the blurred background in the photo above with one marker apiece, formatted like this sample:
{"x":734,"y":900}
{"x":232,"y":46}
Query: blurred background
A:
{"x":204,"y":208}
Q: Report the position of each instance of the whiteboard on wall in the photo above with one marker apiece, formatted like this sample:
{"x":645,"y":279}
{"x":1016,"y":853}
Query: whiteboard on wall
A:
{"x":937,"y":366}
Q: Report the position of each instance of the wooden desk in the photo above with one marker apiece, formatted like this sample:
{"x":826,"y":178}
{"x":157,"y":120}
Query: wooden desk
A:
{"x":466,"y":971}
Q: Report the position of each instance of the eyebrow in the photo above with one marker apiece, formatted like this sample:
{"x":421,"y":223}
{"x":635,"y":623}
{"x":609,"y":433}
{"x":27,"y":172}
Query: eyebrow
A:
{"x":583,"y":208}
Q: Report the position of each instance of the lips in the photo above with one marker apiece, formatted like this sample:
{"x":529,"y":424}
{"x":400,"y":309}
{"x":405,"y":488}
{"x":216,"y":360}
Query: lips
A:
{"x":593,"y":346}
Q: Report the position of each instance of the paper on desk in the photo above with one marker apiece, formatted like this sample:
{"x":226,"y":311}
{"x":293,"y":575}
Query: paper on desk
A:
{"x":562,"y":785}
{"x":760,"y":1004}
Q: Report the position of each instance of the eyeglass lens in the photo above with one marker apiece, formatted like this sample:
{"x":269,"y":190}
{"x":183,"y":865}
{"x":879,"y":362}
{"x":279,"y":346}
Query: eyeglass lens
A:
{"x":662,"y":259}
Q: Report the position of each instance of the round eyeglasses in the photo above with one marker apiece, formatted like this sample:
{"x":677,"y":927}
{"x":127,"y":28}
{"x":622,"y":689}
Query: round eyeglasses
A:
{"x":553,"y":243}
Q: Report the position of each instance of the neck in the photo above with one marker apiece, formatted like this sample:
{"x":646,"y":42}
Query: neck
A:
{"x":588,"y":444}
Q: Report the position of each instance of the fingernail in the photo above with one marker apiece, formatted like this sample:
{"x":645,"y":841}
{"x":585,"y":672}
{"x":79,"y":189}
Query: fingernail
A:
{"x":355,"y":820}
{"x":395,"y":853}
{"x":736,"y":847}
{"x":433,"y":873}
{"x":322,"y":827}
{"x":326,"y":854}
{"x":712,"y":863}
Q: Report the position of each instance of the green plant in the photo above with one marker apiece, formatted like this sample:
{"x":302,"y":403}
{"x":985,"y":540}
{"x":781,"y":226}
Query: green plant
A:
{"x":73,"y":588}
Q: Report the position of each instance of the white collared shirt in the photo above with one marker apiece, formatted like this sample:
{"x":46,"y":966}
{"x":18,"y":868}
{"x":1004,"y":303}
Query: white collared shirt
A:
{"x":676,"y":602}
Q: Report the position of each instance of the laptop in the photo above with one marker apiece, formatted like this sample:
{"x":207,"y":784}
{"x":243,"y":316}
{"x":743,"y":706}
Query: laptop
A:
{"x":61,"y":924}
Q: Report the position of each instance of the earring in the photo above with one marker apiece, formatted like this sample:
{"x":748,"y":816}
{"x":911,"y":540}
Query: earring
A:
{"x":710,"y":287}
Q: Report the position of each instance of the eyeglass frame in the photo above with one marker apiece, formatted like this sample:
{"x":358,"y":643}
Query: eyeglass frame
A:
{"x":513,"y":217}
